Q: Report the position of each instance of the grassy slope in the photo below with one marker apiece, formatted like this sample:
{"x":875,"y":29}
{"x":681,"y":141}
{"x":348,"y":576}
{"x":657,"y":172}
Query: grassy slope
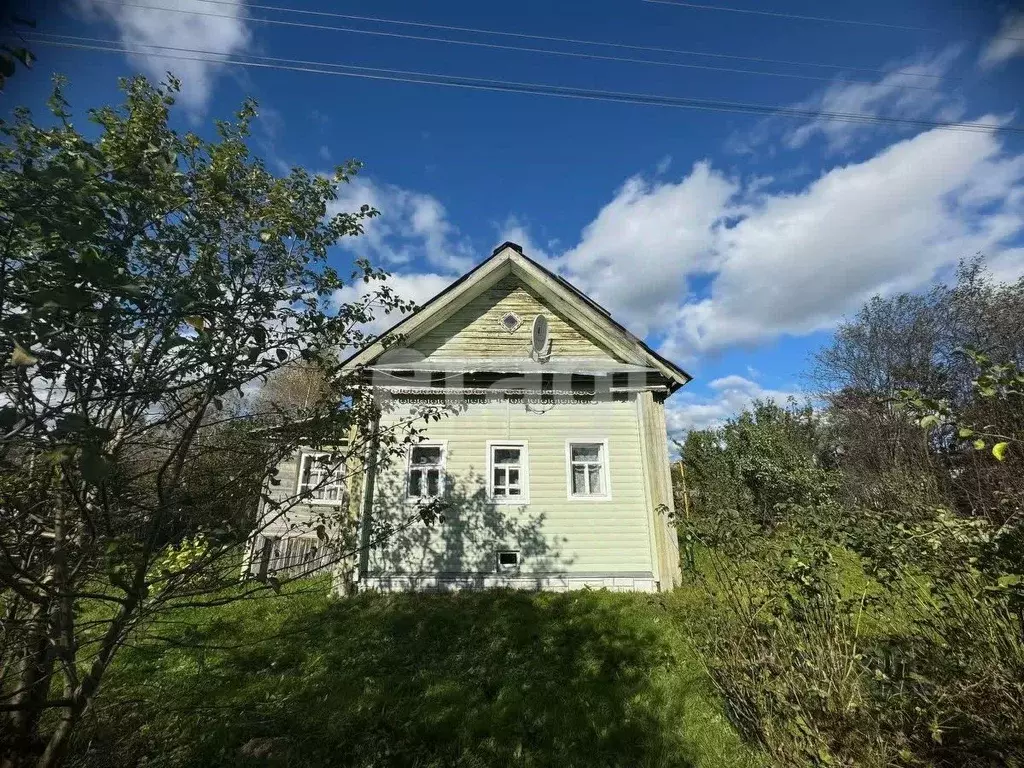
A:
{"x":473,"y":679}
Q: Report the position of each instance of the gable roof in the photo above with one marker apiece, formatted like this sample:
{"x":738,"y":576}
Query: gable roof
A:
{"x":580,"y":309}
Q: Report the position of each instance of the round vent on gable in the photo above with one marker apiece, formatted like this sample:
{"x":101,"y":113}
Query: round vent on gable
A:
{"x":510,"y":321}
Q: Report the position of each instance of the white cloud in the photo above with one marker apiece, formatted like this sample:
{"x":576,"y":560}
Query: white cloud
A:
{"x":515,"y":230}
{"x":710,"y":262}
{"x":1007,"y":44}
{"x":1008,"y":266}
{"x":226,"y":33}
{"x":419,"y":288}
{"x":730,"y":395}
{"x":637,"y":254}
{"x":798,"y":261}
{"x":911,"y":90}
{"x":412,"y":224}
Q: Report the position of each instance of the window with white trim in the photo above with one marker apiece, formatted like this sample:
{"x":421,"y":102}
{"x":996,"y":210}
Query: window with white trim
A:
{"x":507,"y":473}
{"x":321,"y":478}
{"x":425,"y":474}
{"x":588,"y":469}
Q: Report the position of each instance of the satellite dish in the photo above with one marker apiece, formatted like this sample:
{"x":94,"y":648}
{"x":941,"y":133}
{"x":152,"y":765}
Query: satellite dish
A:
{"x":541,"y":338}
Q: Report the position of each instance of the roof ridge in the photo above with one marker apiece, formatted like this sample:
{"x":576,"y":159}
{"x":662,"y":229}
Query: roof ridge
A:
{"x":508,"y":244}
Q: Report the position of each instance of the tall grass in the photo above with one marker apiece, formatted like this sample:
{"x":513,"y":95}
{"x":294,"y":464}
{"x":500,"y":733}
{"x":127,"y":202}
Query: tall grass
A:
{"x":845,"y":671}
{"x":494,"y":678}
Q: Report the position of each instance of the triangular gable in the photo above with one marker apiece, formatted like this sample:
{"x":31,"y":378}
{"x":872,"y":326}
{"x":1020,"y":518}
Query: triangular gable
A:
{"x":507,"y":268}
{"x":476,"y":330}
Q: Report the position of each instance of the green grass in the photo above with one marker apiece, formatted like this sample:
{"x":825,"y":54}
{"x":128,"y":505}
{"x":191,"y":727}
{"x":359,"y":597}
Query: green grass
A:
{"x":492,"y":678}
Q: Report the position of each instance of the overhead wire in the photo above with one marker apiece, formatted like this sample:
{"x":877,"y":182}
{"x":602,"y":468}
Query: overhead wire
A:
{"x":802,"y":17}
{"x":555,"y":39}
{"x":501,"y":46}
{"x":497,"y":85}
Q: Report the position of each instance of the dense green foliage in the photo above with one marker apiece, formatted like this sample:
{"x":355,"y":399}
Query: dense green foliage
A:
{"x":473,"y":679}
{"x":148,"y":278}
{"x":863,"y":559}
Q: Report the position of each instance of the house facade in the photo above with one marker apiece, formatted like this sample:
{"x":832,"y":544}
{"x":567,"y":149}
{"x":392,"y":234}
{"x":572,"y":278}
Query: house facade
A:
{"x":537,"y":432}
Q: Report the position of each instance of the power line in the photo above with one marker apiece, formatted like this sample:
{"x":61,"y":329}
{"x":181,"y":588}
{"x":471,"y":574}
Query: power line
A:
{"x":571,"y":40}
{"x":539,"y":89}
{"x":801,"y":17}
{"x":780,"y":15}
{"x":500,"y":46}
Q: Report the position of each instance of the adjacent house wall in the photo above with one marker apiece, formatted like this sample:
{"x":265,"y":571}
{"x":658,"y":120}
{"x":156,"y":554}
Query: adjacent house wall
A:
{"x":286,"y":541}
{"x":564,"y":543}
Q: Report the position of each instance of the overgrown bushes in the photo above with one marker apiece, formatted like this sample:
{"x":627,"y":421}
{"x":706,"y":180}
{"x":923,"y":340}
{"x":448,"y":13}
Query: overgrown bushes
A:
{"x":863,"y":560}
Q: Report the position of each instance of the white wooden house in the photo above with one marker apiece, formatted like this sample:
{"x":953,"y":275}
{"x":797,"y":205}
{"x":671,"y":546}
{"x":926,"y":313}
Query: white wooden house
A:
{"x":553,"y":469}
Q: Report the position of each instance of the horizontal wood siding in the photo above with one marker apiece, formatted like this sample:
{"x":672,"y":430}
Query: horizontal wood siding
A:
{"x":553,"y":533}
{"x":475,"y":330}
{"x":299,"y":519}
{"x":292,"y":527}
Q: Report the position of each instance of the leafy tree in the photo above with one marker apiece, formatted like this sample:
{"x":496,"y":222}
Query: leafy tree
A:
{"x":10,"y":53}
{"x":757,"y":471}
{"x":148,"y":280}
{"x":867,"y":606}
{"x":993,"y":451}
{"x":916,"y":342}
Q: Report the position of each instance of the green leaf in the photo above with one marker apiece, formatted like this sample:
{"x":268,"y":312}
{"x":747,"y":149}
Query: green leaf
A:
{"x":965,"y":432}
{"x":133,"y":289}
{"x":979,"y":445}
{"x":931,"y":420}
{"x":999,"y":450}
{"x":24,"y":55}
{"x":22,"y":357}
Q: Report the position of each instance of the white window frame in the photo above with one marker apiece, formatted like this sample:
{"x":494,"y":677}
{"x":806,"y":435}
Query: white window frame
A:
{"x":339,"y":481}
{"x":524,"y":472}
{"x":606,"y":466}
{"x":499,"y":568}
{"x":443,"y":445}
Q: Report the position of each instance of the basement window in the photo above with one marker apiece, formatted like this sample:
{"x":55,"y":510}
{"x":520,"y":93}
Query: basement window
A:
{"x":508,"y":560}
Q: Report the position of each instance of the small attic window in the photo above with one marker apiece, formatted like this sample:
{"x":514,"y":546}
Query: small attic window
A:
{"x":510,"y":321}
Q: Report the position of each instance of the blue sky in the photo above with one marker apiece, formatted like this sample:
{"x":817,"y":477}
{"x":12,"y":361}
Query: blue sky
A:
{"x":733,"y":242}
